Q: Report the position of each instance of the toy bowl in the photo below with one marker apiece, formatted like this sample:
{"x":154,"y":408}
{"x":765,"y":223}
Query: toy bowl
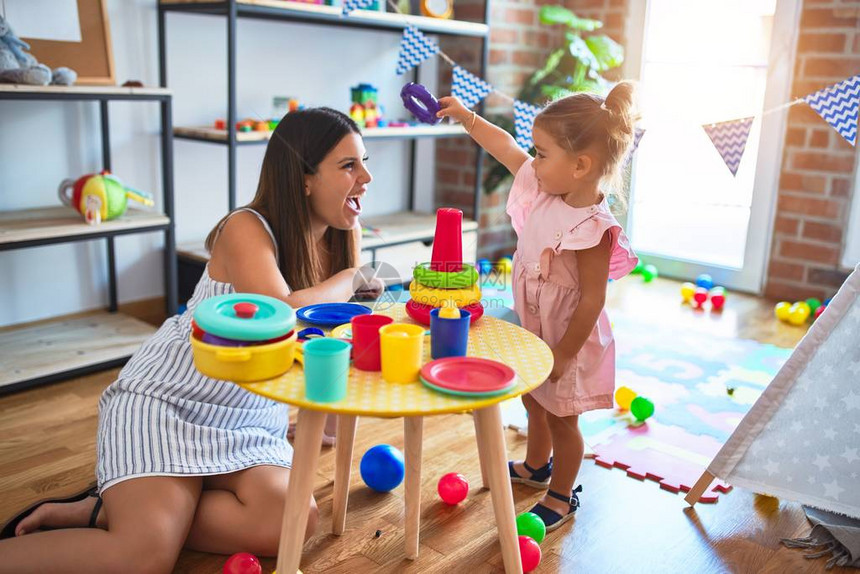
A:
{"x":244,"y":364}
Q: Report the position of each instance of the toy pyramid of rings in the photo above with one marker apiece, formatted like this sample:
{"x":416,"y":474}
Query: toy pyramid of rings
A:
{"x":445,"y":281}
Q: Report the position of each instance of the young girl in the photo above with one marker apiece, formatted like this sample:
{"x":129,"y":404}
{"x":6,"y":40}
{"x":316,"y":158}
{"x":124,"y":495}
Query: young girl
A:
{"x":569,"y":244}
{"x":188,"y":461}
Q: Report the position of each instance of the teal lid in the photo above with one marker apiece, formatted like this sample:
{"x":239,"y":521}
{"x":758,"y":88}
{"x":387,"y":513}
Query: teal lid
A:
{"x":245,"y":317}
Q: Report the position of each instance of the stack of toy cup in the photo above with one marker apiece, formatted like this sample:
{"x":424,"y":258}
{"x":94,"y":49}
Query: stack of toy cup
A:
{"x":446,"y":281}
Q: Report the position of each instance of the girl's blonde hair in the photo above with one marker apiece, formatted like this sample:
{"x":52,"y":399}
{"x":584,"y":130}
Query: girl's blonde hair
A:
{"x":606,"y":125}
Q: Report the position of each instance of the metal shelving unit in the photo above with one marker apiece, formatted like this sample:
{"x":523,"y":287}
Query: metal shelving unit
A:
{"x":58,"y":348}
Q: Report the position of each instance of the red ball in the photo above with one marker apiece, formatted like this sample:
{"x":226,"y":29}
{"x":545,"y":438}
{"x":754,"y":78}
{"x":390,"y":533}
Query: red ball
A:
{"x":717,"y":301}
{"x":453,"y":488}
{"x":529,"y":553}
{"x":819,"y":311}
{"x":242,"y":563}
{"x":700,"y":296}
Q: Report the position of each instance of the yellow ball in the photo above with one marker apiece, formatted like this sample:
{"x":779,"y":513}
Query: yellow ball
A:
{"x":505,"y":264}
{"x":798,"y":314}
{"x":624,"y":396}
{"x":687,"y":291}
{"x":782,"y":310}
{"x":804,"y":305}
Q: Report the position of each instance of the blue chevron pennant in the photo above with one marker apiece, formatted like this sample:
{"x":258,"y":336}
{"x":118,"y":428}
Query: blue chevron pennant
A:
{"x":637,"y":137}
{"x":838,"y":104}
{"x":730,"y":139}
{"x":415,"y":47}
{"x":524,"y":118}
{"x":469,"y":88}
{"x":350,"y":5}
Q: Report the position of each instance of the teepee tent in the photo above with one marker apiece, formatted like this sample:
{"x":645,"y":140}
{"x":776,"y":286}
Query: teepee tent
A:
{"x":801,"y":439}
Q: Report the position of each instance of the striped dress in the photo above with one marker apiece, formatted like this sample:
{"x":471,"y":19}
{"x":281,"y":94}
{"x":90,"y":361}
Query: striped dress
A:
{"x":163,"y":418}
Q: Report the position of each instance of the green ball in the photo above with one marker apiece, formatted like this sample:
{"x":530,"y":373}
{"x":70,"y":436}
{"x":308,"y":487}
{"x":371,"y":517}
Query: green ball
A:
{"x":642,"y":408}
{"x":638,"y":269}
{"x":649,"y":272}
{"x":529,"y":524}
{"x":814,"y":304}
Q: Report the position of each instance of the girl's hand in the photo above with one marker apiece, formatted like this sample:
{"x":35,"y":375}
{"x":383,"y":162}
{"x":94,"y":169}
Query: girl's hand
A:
{"x":559,"y":365}
{"x":369,"y":287}
{"x":453,"y":108}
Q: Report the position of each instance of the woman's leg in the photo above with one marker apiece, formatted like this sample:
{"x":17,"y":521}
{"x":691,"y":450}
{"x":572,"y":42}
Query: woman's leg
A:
{"x":539,"y":445}
{"x":566,"y":460}
{"x":148,"y":520}
{"x":242,"y":512}
{"x":329,"y":433}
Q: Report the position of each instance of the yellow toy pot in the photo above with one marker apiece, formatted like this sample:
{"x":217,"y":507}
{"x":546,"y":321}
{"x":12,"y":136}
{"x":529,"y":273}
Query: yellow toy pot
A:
{"x":244,"y":364}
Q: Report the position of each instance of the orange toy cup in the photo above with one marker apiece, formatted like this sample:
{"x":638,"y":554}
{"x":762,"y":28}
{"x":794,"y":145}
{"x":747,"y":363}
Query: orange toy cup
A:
{"x":402,"y":350}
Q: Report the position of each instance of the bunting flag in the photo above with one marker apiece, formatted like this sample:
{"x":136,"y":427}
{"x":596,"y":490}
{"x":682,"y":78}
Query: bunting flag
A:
{"x":350,"y":5}
{"x":637,"y":137}
{"x":730,"y":139}
{"x":469,"y":88}
{"x":838,"y":105}
{"x":415,"y":47}
{"x":524,"y":118}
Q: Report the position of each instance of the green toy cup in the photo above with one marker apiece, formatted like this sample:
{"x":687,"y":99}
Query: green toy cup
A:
{"x":326,"y":364}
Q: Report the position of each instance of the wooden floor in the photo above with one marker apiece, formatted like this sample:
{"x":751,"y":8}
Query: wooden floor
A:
{"x":624,"y":525}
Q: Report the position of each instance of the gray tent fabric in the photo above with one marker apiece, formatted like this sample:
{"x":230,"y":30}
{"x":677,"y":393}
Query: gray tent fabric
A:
{"x":832,"y":534}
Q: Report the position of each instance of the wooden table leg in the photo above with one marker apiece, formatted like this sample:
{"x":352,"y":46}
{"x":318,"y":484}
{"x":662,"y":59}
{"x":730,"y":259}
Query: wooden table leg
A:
{"x":309,"y":431}
{"x":492,"y":449}
{"x":344,"y":444}
{"x":481,"y":456}
{"x":414,"y":430}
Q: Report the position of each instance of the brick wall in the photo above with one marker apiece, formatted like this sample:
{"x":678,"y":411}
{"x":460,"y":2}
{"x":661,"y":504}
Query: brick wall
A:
{"x":818,"y":166}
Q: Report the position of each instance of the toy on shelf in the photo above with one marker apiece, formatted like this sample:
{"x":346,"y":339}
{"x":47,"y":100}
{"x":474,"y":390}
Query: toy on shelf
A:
{"x":100,"y":196}
{"x":18,"y":66}
{"x":420,"y":103}
{"x":382,"y":468}
{"x":443,"y":9}
{"x":530,"y":524}
{"x":453,"y":488}
{"x":445,"y":278}
{"x":364,"y":109}
{"x":242,"y":563}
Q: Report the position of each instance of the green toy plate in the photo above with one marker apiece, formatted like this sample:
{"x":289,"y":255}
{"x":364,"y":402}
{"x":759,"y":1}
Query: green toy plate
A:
{"x":245,"y":317}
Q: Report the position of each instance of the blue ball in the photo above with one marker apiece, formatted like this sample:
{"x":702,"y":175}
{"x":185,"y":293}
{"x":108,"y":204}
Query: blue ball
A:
{"x":827,"y":301}
{"x":705,"y":280}
{"x":382,"y":468}
{"x":484,"y":266}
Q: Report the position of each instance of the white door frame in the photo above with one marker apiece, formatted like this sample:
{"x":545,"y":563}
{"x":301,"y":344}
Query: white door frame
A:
{"x":781,"y":60}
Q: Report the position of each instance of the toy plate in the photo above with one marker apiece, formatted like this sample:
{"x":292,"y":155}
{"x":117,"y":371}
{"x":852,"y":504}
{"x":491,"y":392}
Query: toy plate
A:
{"x":331,"y":314}
{"x":469,"y":374}
{"x":470,"y":394}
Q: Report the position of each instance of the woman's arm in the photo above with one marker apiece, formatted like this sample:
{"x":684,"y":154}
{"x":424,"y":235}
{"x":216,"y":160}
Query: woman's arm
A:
{"x":244,"y":256}
{"x":492,"y":138}
{"x":593,"y":267}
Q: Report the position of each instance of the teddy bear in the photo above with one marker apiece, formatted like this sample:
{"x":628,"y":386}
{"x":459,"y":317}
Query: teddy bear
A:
{"x":19,"y":67}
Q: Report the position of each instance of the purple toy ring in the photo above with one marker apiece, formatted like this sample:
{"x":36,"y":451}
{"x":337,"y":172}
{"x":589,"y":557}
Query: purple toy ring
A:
{"x":421,"y":103}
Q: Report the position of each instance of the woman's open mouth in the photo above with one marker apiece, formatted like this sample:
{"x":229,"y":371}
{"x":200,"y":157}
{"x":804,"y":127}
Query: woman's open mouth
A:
{"x":354,"y":204}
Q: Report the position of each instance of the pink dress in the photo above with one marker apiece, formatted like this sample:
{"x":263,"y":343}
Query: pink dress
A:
{"x":546,"y":288}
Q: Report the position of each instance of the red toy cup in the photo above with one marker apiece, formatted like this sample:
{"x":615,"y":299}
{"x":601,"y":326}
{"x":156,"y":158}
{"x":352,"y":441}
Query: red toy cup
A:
{"x":365,"y":341}
{"x":448,"y":241}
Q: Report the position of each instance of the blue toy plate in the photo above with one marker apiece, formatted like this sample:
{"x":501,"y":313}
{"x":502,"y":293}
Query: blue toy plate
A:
{"x":331,"y":314}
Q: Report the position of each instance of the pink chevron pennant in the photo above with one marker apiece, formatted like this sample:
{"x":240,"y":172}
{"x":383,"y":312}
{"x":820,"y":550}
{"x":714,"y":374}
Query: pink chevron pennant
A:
{"x":730,"y":139}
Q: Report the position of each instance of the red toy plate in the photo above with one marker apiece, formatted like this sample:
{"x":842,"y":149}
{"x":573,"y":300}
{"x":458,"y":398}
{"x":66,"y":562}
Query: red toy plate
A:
{"x":468,"y":374}
{"x":421,"y":313}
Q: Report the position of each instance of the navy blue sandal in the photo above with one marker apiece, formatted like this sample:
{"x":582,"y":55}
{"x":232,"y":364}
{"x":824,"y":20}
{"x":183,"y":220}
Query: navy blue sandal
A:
{"x":538,"y":477}
{"x":553,"y":519}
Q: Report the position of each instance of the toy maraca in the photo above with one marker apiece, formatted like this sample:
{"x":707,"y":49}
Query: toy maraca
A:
{"x":100,"y":196}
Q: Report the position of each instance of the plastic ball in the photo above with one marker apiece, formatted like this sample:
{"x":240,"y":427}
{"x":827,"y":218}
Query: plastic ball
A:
{"x":638,"y":269}
{"x":798,"y":314}
{"x":484,"y":266}
{"x":827,"y":301}
{"x":805,"y":306}
{"x":705,"y":280}
{"x":814,"y":304}
{"x":382,"y":468}
{"x":624,"y":396}
{"x":505,"y":264}
{"x":453,"y":488}
{"x":642,"y":408}
{"x":529,"y":553}
{"x":649,"y":273}
{"x":782,"y":310}
{"x":700,"y":296}
{"x":687,"y":290}
{"x":242,"y":563}
{"x":818,"y":312}
{"x":717,"y":301}
{"x":717,"y":289}
{"x":530,"y":524}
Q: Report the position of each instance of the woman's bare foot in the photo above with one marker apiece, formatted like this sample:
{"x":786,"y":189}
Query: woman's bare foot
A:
{"x":62,"y":515}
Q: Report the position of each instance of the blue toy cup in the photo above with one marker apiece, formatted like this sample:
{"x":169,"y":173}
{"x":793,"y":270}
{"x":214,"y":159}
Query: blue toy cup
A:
{"x":326,"y":364}
{"x":449,"y":337}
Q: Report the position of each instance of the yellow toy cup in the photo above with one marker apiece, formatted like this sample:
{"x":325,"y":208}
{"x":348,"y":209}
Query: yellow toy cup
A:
{"x":402,"y":349}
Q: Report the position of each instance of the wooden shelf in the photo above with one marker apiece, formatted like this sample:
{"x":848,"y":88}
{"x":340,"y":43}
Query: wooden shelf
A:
{"x":26,"y":92}
{"x":299,"y":11}
{"x":57,"y":348}
{"x":42,"y":226}
{"x":208,"y":134}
